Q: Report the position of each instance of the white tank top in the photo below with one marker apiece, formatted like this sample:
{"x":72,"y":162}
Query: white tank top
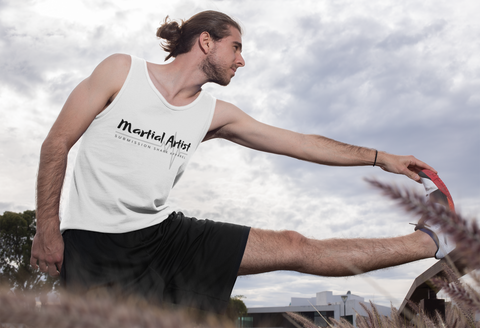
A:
{"x":132,"y":155}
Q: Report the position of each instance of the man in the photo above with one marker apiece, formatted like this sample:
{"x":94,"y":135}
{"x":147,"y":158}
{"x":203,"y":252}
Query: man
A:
{"x":140,"y":123}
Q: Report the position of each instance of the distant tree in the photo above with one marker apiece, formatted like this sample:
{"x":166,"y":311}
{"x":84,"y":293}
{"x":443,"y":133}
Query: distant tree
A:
{"x":16,"y":234}
{"x":236,"y":307}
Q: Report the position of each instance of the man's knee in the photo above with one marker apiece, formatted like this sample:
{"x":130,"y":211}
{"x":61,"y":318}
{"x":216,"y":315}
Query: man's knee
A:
{"x":269,"y":250}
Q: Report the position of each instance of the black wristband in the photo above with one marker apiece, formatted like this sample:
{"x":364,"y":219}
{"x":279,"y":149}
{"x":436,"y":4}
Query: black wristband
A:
{"x":376,"y":153}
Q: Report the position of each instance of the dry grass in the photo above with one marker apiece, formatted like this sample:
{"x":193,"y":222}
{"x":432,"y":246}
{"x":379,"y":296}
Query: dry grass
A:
{"x":99,"y":312}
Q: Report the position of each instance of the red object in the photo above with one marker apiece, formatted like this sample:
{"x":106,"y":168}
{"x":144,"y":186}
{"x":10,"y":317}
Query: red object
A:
{"x":442,"y":189}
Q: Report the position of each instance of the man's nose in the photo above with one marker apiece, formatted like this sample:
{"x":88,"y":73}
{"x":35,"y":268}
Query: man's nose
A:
{"x":240,"y":60}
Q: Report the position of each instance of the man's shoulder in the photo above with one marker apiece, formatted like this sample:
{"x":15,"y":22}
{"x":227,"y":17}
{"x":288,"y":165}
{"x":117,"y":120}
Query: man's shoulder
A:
{"x":118,"y":61}
{"x":109,"y":76}
{"x":112,"y":71}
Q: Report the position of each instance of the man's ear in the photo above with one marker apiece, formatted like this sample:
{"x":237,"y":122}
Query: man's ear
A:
{"x":205,"y":42}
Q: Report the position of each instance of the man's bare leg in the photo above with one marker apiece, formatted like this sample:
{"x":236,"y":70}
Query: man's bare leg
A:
{"x":268,"y":250}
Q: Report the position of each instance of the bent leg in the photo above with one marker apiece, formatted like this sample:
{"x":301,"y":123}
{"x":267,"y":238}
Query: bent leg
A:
{"x":268,"y":250}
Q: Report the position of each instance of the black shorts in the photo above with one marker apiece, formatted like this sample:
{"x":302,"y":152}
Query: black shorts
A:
{"x":182,"y":260}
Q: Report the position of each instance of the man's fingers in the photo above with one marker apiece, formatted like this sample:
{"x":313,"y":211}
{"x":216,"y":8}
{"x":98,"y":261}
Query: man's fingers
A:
{"x":43,"y":266}
{"x":33,"y":262}
{"x":416,"y":178}
{"x":52,"y":270}
{"x":426,"y":166}
{"x":411,"y":173}
{"x":422,"y":165}
{"x":414,"y":166}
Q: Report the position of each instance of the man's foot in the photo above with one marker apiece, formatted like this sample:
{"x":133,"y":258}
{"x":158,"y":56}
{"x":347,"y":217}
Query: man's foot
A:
{"x":444,"y":244}
{"x":439,"y":194}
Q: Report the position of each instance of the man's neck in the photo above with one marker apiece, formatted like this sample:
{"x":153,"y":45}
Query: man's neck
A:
{"x":180,"y":81}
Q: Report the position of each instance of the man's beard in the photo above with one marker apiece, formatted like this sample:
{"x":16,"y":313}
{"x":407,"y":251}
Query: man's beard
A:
{"x":214,"y":71}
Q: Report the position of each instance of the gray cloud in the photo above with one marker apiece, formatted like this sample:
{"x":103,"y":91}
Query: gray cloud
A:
{"x":360,"y":73}
{"x":400,"y":39}
{"x":357,"y":83}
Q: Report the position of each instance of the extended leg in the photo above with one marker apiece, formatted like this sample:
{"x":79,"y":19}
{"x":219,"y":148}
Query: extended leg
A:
{"x":288,"y":250}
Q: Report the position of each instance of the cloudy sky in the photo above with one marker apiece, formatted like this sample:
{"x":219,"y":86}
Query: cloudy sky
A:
{"x":402,"y":77}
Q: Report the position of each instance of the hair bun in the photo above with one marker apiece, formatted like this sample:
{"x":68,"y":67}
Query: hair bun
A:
{"x":170,"y":31}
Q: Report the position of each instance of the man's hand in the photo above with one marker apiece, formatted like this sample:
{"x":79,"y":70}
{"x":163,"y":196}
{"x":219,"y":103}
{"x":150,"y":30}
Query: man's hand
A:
{"x":47,"y":249}
{"x":406,"y":165}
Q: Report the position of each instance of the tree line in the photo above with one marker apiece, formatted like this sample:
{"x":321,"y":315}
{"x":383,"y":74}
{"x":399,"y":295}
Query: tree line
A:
{"x":16,"y":235}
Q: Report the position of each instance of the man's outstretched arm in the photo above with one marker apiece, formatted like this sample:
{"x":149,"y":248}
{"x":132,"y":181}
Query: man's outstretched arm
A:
{"x":85,"y":102}
{"x":231,"y":123}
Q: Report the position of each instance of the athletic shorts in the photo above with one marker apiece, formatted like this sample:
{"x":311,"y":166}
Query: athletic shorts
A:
{"x":185,"y":261}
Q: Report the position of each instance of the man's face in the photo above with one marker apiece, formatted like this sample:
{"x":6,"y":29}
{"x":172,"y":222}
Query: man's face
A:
{"x":223,"y":60}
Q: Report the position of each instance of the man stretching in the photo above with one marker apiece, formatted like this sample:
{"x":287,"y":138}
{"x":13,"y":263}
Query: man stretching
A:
{"x":141,"y":123}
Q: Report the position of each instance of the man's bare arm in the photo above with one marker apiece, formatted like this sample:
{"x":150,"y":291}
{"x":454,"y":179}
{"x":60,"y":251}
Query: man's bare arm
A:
{"x":86,"y":101}
{"x":231,"y":123}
